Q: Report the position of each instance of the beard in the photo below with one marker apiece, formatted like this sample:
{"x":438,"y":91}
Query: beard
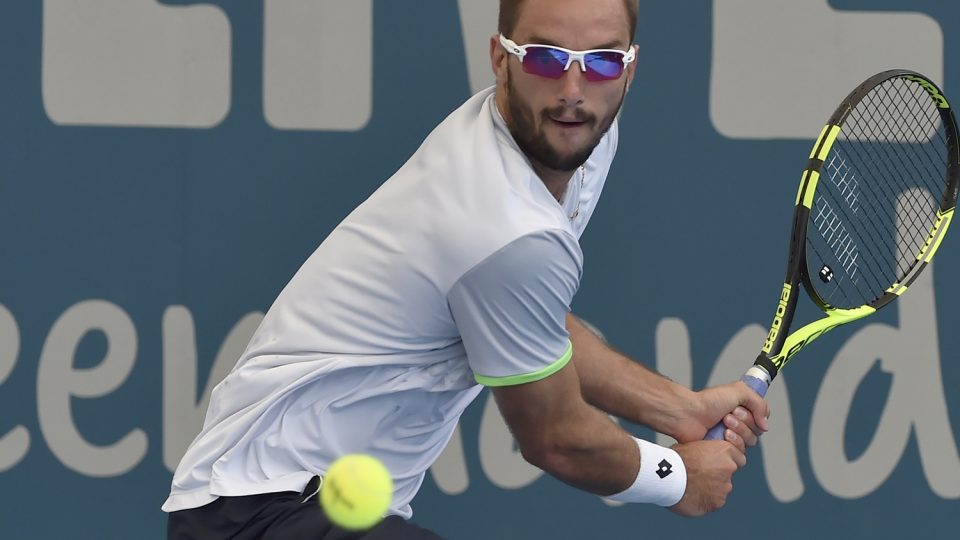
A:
{"x":533,"y":140}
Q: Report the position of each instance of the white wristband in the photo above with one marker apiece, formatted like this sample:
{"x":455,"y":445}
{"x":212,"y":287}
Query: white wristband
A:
{"x":662,"y":478}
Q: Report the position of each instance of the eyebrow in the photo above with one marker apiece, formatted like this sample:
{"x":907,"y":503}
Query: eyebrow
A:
{"x":608,"y":45}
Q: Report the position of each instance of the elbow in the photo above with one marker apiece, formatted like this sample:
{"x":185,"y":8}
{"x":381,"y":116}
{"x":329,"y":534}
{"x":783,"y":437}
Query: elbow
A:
{"x":552,"y":457}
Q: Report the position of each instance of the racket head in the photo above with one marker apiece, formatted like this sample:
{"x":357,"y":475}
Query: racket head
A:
{"x":888,"y":178}
{"x":874,"y":202}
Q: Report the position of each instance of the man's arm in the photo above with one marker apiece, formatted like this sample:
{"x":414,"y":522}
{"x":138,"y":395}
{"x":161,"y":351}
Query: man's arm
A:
{"x":624,"y":388}
{"x":511,"y":312}
{"x":560,"y":433}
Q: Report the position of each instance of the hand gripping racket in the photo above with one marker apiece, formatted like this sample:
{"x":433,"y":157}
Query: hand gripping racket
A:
{"x":874,"y":203}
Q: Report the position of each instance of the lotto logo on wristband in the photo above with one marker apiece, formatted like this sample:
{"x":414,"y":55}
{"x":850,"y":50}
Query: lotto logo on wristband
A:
{"x":665,"y":469}
{"x":662,"y":478}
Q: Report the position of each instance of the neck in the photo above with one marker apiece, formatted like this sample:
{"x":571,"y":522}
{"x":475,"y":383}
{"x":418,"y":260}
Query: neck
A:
{"x":555,"y":181}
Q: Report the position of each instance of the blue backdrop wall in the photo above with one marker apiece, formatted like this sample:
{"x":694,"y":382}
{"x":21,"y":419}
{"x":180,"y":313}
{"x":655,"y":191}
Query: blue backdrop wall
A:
{"x":165,"y":167}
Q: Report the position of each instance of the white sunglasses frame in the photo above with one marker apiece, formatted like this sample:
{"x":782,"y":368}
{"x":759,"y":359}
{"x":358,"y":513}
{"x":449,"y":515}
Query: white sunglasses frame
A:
{"x":579,"y":57}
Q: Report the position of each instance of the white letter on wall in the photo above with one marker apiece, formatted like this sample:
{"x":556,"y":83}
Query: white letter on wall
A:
{"x":478,"y":21}
{"x":449,"y":471}
{"x":916,"y":402}
{"x":500,"y":456}
{"x":779,"y":447}
{"x":135,"y":63}
{"x":780,"y":67}
{"x":15,"y":443}
{"x":318,"y":64}
{"x":672,"y":357}
{"x":911,"y":354}
{"x":183,"y":412}
{"x":780,"y":463}
{"x":58,"y":382}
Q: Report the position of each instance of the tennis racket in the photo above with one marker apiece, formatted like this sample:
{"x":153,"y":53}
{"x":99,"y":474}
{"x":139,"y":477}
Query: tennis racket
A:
{"x":874,"y":203}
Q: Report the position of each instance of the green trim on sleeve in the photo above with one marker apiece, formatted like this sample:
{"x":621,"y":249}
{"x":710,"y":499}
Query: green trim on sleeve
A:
{"x":513,"y":380}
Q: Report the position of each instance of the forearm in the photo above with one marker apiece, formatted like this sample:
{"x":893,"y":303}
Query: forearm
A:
{"x":624,"y":388}
{"x":560,"y":433}
{"x":591,"y":453}
{"x":565,"y":436}
{"x":600,"y":460}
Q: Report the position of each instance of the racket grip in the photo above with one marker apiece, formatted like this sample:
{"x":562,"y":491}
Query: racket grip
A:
{"x":758,"y":381}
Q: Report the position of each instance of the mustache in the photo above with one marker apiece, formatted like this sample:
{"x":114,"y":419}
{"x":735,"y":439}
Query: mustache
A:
{"x":579,"y":114}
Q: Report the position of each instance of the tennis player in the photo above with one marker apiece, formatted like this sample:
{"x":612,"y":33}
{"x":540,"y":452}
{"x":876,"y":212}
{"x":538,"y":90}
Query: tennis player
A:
{"x":458,"y":274}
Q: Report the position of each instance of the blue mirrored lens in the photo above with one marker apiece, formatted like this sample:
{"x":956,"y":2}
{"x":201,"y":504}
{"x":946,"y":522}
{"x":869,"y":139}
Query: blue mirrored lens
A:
{"x":545,"y":62}
{"x":603,"y":66}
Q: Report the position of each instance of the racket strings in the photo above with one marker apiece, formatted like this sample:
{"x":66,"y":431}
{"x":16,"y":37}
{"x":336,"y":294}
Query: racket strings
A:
{"x":924,"y":125}
{"x":901,"y":136}
{"x":890,"y":193}
{"x":880,"y":225}
{"x":841,"y":246}
{"x":864,"y":235}
{"x":874,"y":212}
{"x":919,"y":128}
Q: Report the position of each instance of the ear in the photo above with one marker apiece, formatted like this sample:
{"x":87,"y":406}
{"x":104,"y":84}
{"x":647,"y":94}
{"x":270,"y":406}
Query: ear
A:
{"x":632,"y":66}
{"x":498,"y":59}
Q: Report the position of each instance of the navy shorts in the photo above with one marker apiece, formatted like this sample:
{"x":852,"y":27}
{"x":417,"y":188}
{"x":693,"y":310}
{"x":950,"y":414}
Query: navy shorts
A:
{"x":288,"y":515}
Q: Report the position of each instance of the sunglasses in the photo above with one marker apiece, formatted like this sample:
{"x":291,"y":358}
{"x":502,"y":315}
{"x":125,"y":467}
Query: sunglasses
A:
{"x":552,"y":62}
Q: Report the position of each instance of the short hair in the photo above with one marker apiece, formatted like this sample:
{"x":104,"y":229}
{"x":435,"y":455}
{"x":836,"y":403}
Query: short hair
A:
{"x":510,"y":12}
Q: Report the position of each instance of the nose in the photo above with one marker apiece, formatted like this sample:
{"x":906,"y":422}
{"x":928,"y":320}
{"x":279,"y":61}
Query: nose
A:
{"x":571,"y":90}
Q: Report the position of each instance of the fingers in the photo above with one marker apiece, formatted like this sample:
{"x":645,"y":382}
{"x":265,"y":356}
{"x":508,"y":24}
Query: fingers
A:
{"x":735,"y":450}
{"x":758,"y":408}
{"x":741,"y":422}
{"x":710,"y":468}
{"x":731,"y":437}
{"x":740,"y":458}
{"x":737,"y":433}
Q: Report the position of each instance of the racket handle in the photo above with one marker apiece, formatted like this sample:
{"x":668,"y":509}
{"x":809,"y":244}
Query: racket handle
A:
{"x":758,"y":380}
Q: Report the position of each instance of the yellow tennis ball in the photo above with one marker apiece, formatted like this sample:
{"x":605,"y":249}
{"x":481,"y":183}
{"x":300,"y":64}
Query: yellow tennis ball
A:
{"x":356,"y":492}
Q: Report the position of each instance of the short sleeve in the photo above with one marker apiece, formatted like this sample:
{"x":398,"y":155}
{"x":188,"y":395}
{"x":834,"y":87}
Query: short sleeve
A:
{"x":511,"y":309}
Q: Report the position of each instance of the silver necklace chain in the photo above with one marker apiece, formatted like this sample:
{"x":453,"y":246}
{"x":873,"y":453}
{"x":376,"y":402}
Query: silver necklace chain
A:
{"x":576,"y":211}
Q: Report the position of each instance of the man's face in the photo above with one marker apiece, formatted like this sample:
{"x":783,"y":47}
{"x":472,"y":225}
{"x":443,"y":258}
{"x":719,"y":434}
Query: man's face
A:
{"x":558,"y":122}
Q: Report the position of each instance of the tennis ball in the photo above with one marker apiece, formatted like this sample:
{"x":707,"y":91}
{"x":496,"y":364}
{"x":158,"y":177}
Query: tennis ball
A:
{"x":357,"y":490}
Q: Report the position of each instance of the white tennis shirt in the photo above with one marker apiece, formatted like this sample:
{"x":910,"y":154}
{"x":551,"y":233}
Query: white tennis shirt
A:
{"x":458,"y":270}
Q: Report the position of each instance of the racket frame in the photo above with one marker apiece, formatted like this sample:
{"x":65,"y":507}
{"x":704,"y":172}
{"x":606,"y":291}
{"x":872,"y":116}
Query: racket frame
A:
{"x":780,"y":345}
